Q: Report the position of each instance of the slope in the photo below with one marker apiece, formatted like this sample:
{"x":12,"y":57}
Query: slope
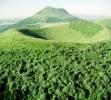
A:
{"x":106,"y":23}
{"x":59,"y":32}
{"x":64,"y":33}
{"x":12,"y":38}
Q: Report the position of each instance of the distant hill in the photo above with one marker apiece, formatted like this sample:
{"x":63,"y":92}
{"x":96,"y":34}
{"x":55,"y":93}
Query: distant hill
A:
{"x":56,"y":24}
{"x":93,"y":17}
{"x":6,"y":24}
{"x":49,"y":15}
{"x":9,"y":21}
{"x":5,"y":27}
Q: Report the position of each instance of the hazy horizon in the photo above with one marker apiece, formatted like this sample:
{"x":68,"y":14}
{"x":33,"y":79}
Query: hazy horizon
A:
{"x":14,"y":9}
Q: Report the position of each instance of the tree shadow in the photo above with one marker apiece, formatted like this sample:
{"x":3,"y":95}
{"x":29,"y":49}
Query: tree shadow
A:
{"x":31,"y":33}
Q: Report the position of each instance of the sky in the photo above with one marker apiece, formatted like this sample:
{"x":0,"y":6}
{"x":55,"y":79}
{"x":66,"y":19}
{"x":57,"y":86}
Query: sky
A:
{"x":14,"y":9}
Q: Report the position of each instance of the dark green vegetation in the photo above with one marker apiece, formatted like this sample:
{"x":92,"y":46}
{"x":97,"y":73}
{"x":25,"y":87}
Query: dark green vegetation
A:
{"x":31,"y":33}
{"x":85,"y":27}
{"x":56,"y":71}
